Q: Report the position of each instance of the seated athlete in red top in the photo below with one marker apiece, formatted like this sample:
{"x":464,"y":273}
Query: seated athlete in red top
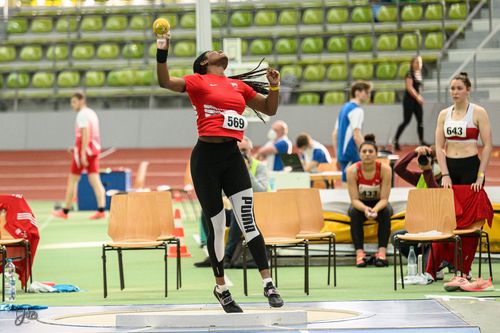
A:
{"x":216,"y":162}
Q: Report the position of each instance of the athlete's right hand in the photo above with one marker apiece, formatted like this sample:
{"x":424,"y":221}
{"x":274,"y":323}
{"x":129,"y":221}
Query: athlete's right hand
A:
{"x":446,"y":182}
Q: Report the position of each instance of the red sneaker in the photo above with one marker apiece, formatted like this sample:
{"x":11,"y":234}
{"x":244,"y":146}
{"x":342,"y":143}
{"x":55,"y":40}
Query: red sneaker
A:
{"x":98,"y":216}
{"x":456,"y":283}
{"x":60,"y":214}
{"x":479,"y":285}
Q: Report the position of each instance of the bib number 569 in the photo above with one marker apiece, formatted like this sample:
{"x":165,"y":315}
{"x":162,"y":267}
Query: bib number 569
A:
{"x":234,"y":121}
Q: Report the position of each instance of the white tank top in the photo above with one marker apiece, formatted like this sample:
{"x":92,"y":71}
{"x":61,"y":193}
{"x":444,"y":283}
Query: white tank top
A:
{"x":463,"y":130}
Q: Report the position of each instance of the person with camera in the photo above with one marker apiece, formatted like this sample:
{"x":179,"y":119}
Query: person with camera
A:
{"x":430,"y":173}
{"x":369,"y":186}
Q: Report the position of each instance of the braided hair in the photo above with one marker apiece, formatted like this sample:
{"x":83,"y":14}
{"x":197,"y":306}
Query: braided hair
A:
{"x":247,"y":77}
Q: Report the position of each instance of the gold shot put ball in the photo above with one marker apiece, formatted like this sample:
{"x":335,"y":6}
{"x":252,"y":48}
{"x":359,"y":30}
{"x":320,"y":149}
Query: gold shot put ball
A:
{"x":161,"y":27}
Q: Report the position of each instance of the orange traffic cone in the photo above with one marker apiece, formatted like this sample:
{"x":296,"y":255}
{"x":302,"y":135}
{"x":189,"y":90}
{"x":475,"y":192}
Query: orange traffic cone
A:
{"x":179,"y":233}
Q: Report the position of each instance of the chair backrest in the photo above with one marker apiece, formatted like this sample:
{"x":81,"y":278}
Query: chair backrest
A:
{"x":134,"y":217}
{"x":140,"y":177}
{"x":324,"y":167}
{"x":165,"y":213}
{"x":430,"y":209}
{"x":277,"y":214}
{"x":310,"y":209}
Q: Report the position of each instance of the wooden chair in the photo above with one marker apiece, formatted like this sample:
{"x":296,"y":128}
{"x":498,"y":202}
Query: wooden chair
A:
{"x":134,"y":224}
{"x":140,"y":177}
{"x":277,"y":216}
{"x":6,"y":242}
{"x":167,"y":227}
{"x":428,"y":210}
{"x":328,"y":178}
{"x":478,"y":232}
{"x":312,"y":222}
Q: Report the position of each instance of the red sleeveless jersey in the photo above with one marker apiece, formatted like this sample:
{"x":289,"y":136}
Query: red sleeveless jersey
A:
{"x":369,"y":189}
{"x":219,"y":102}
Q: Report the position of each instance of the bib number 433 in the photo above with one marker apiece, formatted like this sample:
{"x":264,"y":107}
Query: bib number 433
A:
{"x":234,"y":121}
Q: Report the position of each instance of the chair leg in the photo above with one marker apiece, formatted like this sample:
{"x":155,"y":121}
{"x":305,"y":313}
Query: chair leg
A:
{"x":329,"y":259}
{"x":4,"y":262}
{"x":29,"y":262}
{"x":105,"y":282}
{"x":306,"y":268}
{"x":334,"y":261}
{"x":245,"y":286}
{"x":489,"y":252}
{"x":275,"y":265}
{"x":179,"y":271}
{"x":165,"y":256}
{"x":120,"y":269}
{"x":401,"y":268}
{"x":480,"y":252}
{"x":27,"y":265}
{"x":394,"y":262}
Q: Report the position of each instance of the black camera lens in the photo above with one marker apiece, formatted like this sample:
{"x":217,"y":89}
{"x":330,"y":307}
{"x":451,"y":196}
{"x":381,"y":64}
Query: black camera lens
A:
{"x":424,"y":160}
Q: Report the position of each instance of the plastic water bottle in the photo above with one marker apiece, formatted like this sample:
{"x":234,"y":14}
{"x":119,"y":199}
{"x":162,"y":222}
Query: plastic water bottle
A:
{"x":412,"y":262}
{"x":10,"y":281}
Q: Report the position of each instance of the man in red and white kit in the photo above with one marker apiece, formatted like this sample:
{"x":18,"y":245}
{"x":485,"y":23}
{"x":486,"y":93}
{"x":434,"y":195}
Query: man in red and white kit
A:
{"x":85,"y":156}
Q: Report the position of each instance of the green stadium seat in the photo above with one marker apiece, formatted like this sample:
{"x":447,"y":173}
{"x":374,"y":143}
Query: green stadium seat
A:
{"x":68,"y":79}
{"x":362,"y":43}
{"x":140,"y":22}
{"x":283,"y":46}
{"x":241,"y":19}
{"x":411,"y":12}
{"x":265,"y":18}
{"x":362,"y":71}
{"x":308,"y":99}
{"x":145,"y":77}
{"x":152,"y":50}
{"x":57,"y":52}
{"x":337,"y":15}
{"x":121,"y":78}
{"x":1,"y":81}
{"x":188,"y":21}
{"x":312,"y":45}
{"x":116,"y":23}
{"x":434,"y":41}
{"x":387,"y":42}
{"x":41,"y":25}
{"x":83,"y":52}
{"x":17,"y":26}
{"x":133,"y":51}
{"x":314,"y":73}
{"x":261,"y":46}
{"x":288,"y":17}
{"x":291,"y":71}
{"x":387,"y":71}
{"x":337,"y":44}
{"x":219,"y":19}
{"x":361,"y":14}
{"x":185,"y":49}
{"x":43,"y":80}
{"x":244,"y":47}
{"x":94,"y":79}
{"x":337,"y":72}
{"x":384,"y":97}
{"x":216,"y":45}
{"x":312,"y":16}
{"x":91,"y":23}
{"x":18,"y":80}
{"x":176,"y":72}
{"x":7,"y":53}
{"x":457,"y":11}
{"x":108,"y":51}
{"x":31,"y":53}
{"x":409,"y":42}
{"x":387,"y":14}
{"x":433,"y":12}
{"x":404,"y":68}
{"x":334,"y":98}
{"x":66,"y":24}
{"x":171,"y":18}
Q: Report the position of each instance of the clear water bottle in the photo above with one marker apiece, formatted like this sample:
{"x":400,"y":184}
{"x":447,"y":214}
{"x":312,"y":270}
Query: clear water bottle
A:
{"x":412,"y":262}
{"x":10,"y":281}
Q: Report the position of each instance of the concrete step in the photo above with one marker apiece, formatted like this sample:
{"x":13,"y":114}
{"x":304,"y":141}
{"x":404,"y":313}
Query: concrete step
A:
{"x":483,"y":24}
{"x":488,"y":54}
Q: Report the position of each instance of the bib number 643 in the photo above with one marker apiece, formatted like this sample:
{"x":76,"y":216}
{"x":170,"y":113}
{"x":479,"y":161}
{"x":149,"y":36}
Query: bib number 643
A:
{"x":234,"y":121}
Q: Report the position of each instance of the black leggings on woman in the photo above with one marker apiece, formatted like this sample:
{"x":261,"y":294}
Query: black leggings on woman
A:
{"x":358,"y":218}
{"x":463,"y":171}
{"x":217,"y":167}
{"x":411,"y":108}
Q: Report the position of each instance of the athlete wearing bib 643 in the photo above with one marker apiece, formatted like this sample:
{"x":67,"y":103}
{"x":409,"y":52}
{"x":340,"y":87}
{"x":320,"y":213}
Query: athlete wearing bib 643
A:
{"x":216,"y":162}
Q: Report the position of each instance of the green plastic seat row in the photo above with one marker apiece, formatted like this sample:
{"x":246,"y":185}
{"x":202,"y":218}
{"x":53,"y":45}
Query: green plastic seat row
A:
{"x":69,"y":79}
{"x":339,"y":97}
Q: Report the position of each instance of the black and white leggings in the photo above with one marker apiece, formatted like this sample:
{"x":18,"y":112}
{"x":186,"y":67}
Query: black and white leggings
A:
{"x":217,"y":167}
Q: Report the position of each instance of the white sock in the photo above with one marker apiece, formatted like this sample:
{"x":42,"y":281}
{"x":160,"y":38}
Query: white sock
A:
{"x":267,"y":280}
{"x":221,"y":287}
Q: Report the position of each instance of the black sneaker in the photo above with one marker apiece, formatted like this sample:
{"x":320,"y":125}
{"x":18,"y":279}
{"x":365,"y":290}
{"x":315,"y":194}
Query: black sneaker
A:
{"x":204,"y":263}
{"x":273,"y":296}
{"x":227,"y":302}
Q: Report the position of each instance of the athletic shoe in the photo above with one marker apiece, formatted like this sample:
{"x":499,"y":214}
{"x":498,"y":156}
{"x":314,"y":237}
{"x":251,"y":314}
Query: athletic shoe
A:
{"x":381,"y":261}
{"x":479,"y":285}
{"x":227,"y":302}
{"x":362,"y":260}
{"x":455,"y":284}
{"x":98,"y":216}
{"x":204,"y":263}
{"x":60,"y":214}
{"x":273,"y":297}
{"x":439,"y":275}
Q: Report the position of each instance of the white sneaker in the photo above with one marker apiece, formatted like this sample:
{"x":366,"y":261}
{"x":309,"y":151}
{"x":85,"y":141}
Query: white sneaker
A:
{"x":439,"y":275}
